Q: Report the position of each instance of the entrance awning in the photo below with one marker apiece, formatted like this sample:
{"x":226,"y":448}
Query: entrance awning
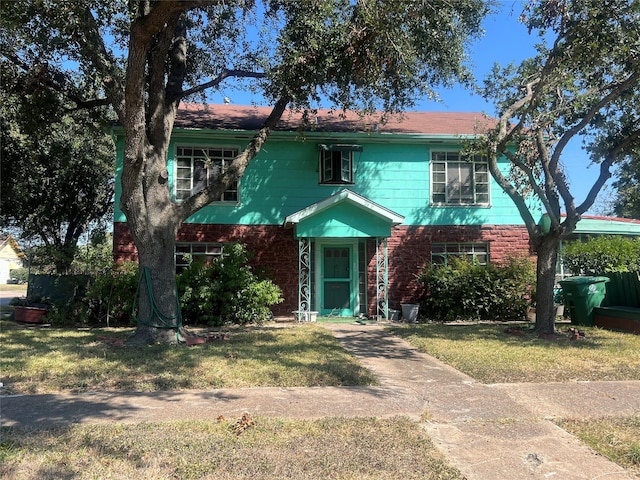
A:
{"x":345,"y":214}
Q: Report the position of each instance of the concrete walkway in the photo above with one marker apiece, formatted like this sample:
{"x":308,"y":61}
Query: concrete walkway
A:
{"x":489,"y":432}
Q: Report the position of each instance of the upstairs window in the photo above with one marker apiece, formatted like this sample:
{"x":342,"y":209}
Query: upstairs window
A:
{"x":199,"y":167}
{"x":336,"y":167}
{"x":457,"y":180}
{"x":336,"y":163}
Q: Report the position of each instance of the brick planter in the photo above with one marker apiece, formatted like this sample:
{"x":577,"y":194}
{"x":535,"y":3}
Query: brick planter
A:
{"x":29,"y":314}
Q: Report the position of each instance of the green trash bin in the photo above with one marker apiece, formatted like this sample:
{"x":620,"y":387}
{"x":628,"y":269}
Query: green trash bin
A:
{"x":581,"y":296}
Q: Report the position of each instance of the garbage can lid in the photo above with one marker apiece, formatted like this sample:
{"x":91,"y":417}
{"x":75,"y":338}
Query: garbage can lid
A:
{"x":584,"y":280}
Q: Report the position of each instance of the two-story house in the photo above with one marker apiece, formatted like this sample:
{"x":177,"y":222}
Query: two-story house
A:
{"x":342,"y":211}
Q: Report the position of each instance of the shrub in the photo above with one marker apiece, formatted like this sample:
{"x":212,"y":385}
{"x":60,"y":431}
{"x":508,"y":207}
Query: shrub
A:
{"x":605,"y":254}
{"x":226,"y":291}
{"x":110,"y":296}
{"x":462,"y":290}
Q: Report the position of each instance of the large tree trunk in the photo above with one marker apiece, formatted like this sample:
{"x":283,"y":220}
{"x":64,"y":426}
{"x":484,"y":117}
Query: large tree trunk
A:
{"x":158,"y":313}
{"x":153,"y":221}
{"x":547,"y":250}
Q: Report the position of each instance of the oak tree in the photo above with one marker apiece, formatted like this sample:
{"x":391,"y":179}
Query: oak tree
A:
{"x":57,"y":170}
{"x":582,"y":86}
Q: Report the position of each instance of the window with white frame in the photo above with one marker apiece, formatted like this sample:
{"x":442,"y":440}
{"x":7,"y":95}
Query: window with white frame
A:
{"x":459,"y":180}
{"x":187,"y":253}
{"x":442,"y":253}
{"x":199,"y":167}
{"x":336,"y":166}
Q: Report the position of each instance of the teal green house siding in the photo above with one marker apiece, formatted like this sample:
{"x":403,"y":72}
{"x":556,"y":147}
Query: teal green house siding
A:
{"x":283,"y":179}
{"x":347,"y":221}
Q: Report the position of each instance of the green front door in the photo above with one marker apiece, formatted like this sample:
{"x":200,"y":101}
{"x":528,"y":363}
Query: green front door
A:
{"x":337,"y":280}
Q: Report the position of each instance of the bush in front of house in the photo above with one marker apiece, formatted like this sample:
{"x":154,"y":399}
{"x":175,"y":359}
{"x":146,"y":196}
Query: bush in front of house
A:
{"x":110,"y":297}
{"x":462,"y":290}
{"x":600,"y":255}
{"x":227,"y":290}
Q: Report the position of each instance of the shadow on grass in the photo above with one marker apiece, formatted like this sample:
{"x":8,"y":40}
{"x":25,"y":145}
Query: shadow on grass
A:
{"x":51,"y":410}
{"x":40,"y":360}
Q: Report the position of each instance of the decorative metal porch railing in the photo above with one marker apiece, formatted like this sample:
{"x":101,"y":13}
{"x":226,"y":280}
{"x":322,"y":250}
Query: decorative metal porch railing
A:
{"x":304,"y":280}
{"x":382,"y":278}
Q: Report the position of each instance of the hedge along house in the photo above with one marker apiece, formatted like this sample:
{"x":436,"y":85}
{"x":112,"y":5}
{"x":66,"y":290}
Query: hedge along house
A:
{"x":341,"y":211}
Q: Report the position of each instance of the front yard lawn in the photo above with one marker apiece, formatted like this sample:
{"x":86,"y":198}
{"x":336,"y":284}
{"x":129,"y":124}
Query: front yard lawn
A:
{"x":45,"y":360}
{"x":616,"y":438}
{"x":366,"y":448}
{"x":487,"y":353}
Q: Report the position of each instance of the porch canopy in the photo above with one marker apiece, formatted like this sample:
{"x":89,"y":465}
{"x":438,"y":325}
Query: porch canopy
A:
{"x":342,"y":215}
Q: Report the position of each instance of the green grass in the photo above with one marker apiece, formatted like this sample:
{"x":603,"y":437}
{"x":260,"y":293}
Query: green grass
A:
{"x":616,"y":438}
{"x":44,"y":360}
{"x":488,"y":354}
{"x":395,"y":448}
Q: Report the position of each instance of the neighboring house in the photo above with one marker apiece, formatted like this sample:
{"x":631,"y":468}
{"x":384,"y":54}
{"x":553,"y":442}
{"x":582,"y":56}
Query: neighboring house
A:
{"x":594,"y":226}
{"x":341,"y":212}
{"x":10,"y":257}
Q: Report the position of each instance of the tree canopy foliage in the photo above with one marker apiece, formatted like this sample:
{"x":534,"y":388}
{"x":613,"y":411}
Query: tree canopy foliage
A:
{"x":582,"y":86}
{"x":626,"y":204}
{"x":57,"y":167}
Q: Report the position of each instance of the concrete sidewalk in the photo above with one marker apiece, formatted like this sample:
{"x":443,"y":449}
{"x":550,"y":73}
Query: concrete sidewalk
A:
{"x":489,"y":432}
{"x":493,"y":432}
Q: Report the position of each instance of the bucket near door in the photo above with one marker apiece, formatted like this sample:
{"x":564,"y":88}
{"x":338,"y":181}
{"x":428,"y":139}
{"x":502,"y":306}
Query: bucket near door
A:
{"x":410,"y":311}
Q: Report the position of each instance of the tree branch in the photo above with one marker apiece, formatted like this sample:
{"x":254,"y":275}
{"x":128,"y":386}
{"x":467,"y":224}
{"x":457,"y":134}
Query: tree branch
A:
{"x":152,"y":21}
{"x":93,"y":48}
{"x":617,"y":90}
{"x":49,"y":81}
{"x":227,"y":73}
{"x":504,"y":135}
{"x":156,"y":116}
{"x":237,"y":168}
{"x":513,"y":193}
{"x":605,"y":172}
{"x":550,"y":176}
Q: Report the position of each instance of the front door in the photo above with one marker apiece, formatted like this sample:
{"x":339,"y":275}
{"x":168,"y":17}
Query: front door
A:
{"x":337,"y":280}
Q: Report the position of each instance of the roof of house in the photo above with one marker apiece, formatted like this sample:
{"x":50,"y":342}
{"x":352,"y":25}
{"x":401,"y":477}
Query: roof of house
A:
{"x":591,"y":224}
{"x":8,"y":240}
{"x":235,"y":117}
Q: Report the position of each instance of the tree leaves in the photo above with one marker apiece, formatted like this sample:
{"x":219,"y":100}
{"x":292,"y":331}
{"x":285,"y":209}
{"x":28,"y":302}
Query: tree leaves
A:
{"x":57,"y":166}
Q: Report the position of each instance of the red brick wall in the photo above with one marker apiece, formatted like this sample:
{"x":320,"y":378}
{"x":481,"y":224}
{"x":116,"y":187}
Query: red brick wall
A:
{"x":276,"y":251}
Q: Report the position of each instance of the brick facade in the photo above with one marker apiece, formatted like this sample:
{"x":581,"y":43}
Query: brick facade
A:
{"x":276,"y":252}
{"x":410,"y":248}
